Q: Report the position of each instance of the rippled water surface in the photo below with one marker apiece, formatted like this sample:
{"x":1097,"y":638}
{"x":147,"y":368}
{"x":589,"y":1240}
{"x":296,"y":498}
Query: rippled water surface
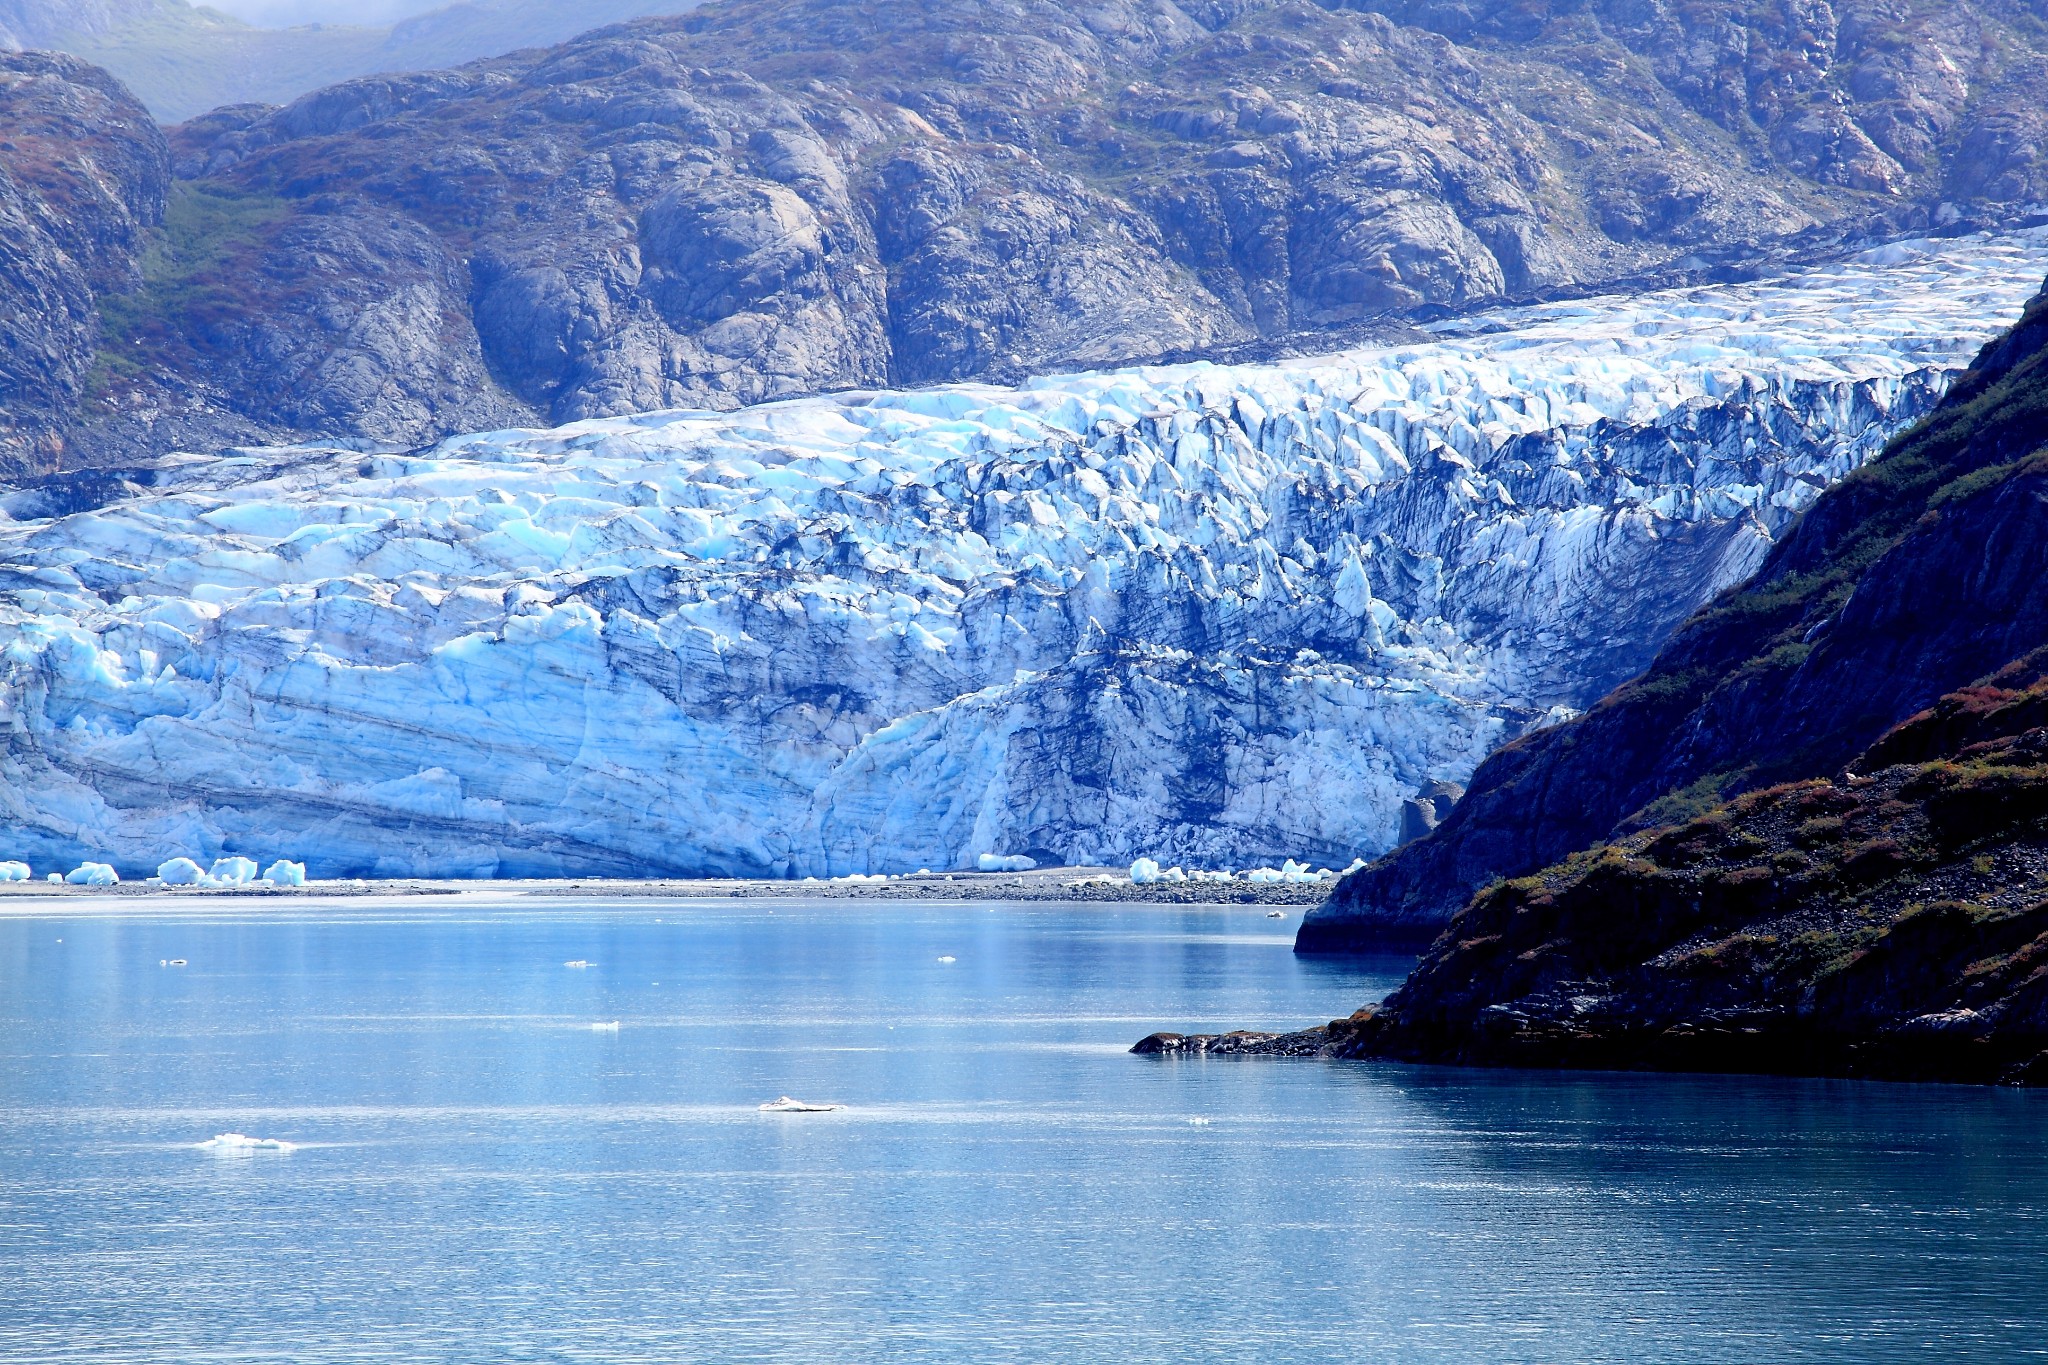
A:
{"x":482,"y":1176}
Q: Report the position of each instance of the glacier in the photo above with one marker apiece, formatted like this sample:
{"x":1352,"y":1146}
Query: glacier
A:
{"x":1213,"y":615}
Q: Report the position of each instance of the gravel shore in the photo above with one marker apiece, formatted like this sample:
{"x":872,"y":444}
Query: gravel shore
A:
{"x":1044,"y":884}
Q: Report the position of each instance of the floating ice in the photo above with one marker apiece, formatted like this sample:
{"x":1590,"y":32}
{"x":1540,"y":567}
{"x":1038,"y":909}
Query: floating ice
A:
{"x":611,"y":1027}
{"x":948,"y":959}
{"x":997,"y":862}
{"x":282,"y":873}
{"x":92,"y":874}
{"x":238,"y":1144}
{"x":1214,"y":614}
{"x":786,"y":1105}
{"x":13,"y":872}
{"x":577,"y":963}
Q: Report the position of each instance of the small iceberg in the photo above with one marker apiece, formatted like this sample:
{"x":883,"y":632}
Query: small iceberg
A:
{"x":786,"y":1105}
{"x":1276,"y":914}
{"x":232,"y":871}
{"x":13,"y":872}
{"x":578,"y":963}
{"x":949,"y":958}
{"x":237,"y":1144}
{"x":997,"y":862}
{"x":170,"y":962}
{"x":612,"y":1027}
{"x":180,"y":872}
{"x":284,"y":873}
{"x":92,"y":874}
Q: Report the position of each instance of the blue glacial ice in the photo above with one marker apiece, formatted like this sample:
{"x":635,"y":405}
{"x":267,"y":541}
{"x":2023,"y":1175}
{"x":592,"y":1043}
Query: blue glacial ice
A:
{"x":1217,"y":616}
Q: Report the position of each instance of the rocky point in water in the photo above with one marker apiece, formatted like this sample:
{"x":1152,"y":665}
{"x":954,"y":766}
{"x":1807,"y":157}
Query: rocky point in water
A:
{"x":1827,"y":808}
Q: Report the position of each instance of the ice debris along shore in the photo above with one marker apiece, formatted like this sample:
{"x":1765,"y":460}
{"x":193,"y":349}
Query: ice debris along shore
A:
{"x":1216,"y":615}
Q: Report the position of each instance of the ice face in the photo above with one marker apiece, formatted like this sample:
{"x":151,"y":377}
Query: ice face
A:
{"x":1220,"y":616}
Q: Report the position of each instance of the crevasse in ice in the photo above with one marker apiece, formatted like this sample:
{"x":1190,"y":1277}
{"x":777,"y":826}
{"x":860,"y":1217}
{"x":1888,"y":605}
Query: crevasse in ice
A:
{"x":1218,"y":616}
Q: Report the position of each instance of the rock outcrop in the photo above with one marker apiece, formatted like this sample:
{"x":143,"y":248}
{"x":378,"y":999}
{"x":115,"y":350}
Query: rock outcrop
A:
{"x":763,"y":199}
{"x":83,"y":178}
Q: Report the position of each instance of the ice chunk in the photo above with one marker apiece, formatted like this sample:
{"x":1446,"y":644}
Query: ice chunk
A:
{"x":786,"y":1105}
{"x":240,"y":1144}
{"x":92,"y":874}
{"x":611,"y":1027}
{"x":54,"y":877}
{"x":233,"y":871}
{"x":996,"y":862}
{"x":180,"y":872}
{"x":1144,"y":871}
{"x":282,"y":873}
{"x":13,"y":872}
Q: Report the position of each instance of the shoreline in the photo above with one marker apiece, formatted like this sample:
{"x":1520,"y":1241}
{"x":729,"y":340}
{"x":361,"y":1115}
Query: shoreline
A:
{"x":1104,"y":884}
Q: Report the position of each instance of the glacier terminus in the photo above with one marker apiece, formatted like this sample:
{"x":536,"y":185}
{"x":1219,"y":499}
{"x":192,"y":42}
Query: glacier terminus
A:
{"x":1208,"y":614}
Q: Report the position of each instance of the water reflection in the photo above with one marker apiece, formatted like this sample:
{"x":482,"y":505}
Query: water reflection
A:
{"x":484,"y":1177}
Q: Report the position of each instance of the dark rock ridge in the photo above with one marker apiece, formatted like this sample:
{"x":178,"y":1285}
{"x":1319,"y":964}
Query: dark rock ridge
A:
{"x":764,"y":199}
{"x":1913,"y":577}
{"x":1887,"y":922}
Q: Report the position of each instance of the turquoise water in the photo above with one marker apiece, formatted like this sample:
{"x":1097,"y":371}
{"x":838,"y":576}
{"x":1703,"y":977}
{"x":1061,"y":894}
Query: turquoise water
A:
{"x":481,"y":1176}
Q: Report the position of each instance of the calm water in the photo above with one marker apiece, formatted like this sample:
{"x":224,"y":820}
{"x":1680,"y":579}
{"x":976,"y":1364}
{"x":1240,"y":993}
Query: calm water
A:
{"x":484,"y":1177}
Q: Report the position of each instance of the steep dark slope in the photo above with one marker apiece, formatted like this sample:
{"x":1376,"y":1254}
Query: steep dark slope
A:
{"x":1889,"y":922}
{"x":83,"y":177}
{"x":766,"y":198}
{"x":1914,"y":577}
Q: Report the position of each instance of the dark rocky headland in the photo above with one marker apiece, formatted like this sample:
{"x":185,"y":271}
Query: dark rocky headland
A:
{"x":1812,"y":838}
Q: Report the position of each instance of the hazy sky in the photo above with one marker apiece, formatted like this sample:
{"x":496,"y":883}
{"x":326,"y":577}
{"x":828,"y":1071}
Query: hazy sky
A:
{"x":282,"y":12}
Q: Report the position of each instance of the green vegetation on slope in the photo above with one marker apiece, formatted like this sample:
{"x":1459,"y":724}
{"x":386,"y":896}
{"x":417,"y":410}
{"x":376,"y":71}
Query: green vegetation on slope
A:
{"x":189,"y":280}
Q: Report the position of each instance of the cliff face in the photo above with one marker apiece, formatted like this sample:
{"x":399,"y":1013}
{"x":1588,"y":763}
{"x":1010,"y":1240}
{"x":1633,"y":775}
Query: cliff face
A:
{"x":1914,"y":577}
{"x":762,"y":199}
{"x":83,"y":176}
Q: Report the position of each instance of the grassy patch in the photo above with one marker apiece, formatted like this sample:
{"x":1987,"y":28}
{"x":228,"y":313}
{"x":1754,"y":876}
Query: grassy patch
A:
{"x":189,"y":281}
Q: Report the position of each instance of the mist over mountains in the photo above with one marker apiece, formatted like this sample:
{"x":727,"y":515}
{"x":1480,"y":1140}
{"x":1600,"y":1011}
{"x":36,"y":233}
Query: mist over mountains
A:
{"x":182,"y":59}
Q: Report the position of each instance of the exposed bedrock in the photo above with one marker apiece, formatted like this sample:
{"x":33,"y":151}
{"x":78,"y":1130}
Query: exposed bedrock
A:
{"x":762,"y":199}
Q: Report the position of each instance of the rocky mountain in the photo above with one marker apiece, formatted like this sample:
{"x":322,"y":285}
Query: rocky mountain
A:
{"x":182,"y":59}
{"x":1217,"y":615}
{"x":765,"y":199}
